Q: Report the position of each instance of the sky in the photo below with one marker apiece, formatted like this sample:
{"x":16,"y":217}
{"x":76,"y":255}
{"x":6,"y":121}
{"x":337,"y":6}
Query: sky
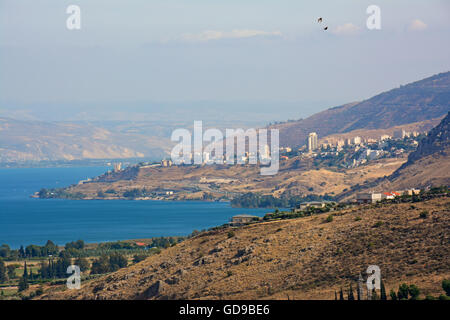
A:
{"x":233,"y":60}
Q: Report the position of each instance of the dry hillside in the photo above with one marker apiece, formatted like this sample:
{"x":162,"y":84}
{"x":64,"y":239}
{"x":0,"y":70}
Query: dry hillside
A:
{"x":415,"y":102}
{"x":304,"y":258}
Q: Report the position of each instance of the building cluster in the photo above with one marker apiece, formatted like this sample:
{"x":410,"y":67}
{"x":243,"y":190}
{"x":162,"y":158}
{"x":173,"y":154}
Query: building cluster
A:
{"x":360,"y":150}
{"x":373,"y":197}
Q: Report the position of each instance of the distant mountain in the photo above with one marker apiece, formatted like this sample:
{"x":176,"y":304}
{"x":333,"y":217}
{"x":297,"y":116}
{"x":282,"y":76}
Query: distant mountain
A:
{"x":37,"y":141}
{"x":430,"y":163}
{"x":415,"y":102}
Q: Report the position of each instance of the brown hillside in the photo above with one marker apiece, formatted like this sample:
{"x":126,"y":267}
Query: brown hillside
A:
{"x":304,"y":258}
{"x":415,"y":102}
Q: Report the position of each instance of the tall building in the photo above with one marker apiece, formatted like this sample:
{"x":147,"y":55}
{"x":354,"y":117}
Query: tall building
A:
{"x":117,"y":167}
{"x":312,"y":142}
{"x":357,"y":140}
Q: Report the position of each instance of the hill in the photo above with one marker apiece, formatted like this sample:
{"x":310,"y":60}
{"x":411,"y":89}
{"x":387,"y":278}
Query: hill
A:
{"x":429,"y":165}
{"x":38,"y":140}
{"x":419,"y":101}
{"x":303,"y":258}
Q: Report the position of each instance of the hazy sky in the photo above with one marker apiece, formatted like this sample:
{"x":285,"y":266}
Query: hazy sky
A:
{"x":226,"y":56}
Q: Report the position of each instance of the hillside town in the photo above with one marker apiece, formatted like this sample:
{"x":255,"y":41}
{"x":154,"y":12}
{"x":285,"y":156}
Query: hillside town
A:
{"x":346,"y":153}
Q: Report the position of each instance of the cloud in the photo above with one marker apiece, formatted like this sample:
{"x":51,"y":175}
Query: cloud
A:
{"x":235,"y":34}
{"x":346,"y":29}
{"x":417,"y":25}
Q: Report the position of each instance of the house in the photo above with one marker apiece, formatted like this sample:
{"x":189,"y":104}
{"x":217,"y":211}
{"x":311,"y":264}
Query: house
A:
{"x":315,"y":204}
{"x":369,"y":197}
{"x":410,"y":192}
{"x":242,"y":219}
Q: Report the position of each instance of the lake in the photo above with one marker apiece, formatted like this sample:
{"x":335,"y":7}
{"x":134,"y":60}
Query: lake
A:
{"x":24,"y":220}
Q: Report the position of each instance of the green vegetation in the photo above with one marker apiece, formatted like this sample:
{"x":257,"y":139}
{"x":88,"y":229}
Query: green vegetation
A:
{"x":111,"y":263}
{"x":257,"y":200}
{"x":424,"y":214}
{"x":48,"y":264}
{"x":446,"y":286}
{"x":60,"y":193}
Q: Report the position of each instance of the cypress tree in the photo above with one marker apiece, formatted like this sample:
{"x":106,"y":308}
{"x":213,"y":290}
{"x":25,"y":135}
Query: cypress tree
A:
{"x":25,"y":271}
{"x":350,"y":293}
{"x":374,"y":294}
{"x":393,"y":295}
{"x":21,"y":252}
{"x":335,"y":295}
{"x":382,"y":291}
{"x":341,"y":295}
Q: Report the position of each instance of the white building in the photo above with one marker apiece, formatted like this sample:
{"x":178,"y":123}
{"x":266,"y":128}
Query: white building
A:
{"x":312,"y":142}
{"x":357,"y":140}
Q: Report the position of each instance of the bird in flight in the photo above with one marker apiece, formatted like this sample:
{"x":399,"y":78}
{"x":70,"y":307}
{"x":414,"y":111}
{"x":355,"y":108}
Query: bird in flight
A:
{"x":319,"y":20}
{"x":326,"y":28}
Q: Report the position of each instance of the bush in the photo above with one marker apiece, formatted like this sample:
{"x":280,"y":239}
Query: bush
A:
{"x":403,"y":292}
{"x":378,"y":224}
{"x":446,"y":286}
{"x":230,"y":234}
{"x":139,"y":257}
{"x":330,"y":218}
{"x":424,"y":214}
{"x":414,"y":291}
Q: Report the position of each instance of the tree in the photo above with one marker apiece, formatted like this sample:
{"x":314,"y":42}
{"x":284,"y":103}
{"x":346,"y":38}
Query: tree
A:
{"x":341,"y":295}
{"x":23,"y":284}
{"x":413,"y":291}
{"x":350,"y":293}
{"x":50,"y":248}
{"x":11,"y":271}
{"x":3,"y":273}
{"x":382,"y":291}
{"x":393,"y":295}
{"x":117,"y":261}
{"x":403,"y":292}
{"x":374,"y":294}
{"x":21,"y":252}
{"x":25,"y":272}
{"x":100,"y":265}
{"x":5,"y":251}
{"x":335,"y":295}
{"x":139,"y":257}
{"x":446,"y":286}
{"x":82,"y":263}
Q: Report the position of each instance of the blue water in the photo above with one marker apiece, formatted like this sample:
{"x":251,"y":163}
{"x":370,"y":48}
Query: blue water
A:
{"x":24,"y":220}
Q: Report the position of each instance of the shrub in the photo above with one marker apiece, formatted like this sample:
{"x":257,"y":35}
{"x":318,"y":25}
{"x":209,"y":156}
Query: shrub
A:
{"x":446,"y":286}
{"x":414,"y":291}
{"x":358,"y":218}
{"x":230,"y":234}
{"x":330,"y":218}
{"x":403,"y":292}
{"x":139,"y":257}
{"x":424,"y":214}
{"x":378,"y":224}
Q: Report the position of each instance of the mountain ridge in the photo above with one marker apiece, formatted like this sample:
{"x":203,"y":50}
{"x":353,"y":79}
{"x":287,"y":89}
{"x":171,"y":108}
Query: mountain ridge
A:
{"x":421,"y":100}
